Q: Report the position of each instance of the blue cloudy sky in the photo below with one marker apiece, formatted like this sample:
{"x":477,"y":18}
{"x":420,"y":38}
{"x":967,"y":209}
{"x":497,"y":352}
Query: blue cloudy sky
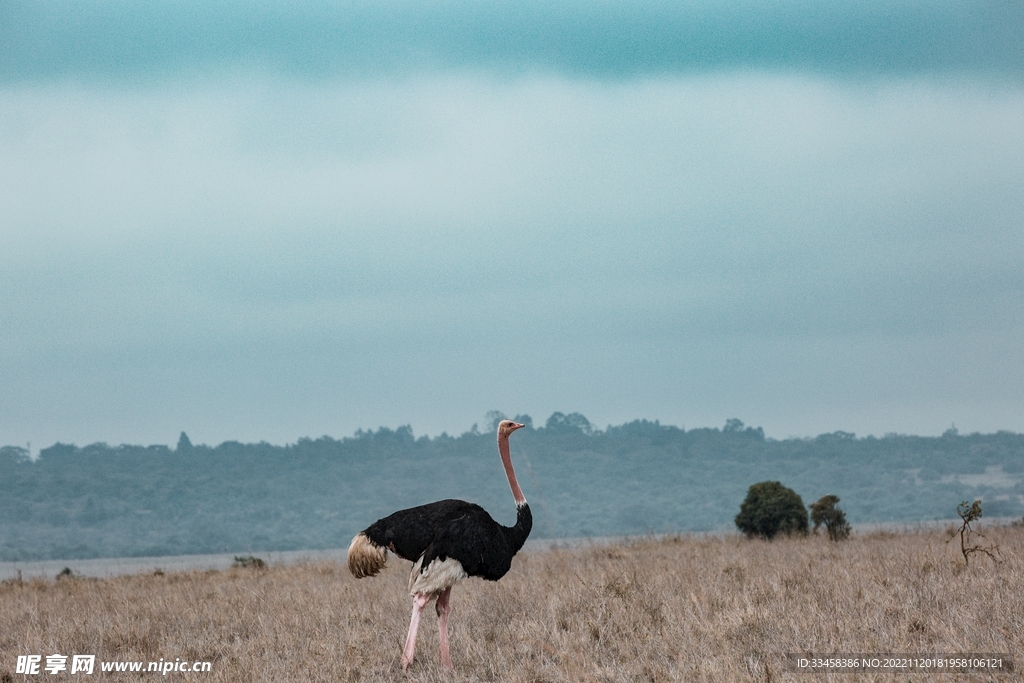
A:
{"x":267,"y":220}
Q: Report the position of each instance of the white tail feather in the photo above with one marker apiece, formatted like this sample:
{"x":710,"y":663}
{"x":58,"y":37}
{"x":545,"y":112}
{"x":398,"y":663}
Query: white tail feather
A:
{"x":366,"y":558}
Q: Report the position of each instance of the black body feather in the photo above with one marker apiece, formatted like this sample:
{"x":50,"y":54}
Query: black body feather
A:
{"x":454,"y":529}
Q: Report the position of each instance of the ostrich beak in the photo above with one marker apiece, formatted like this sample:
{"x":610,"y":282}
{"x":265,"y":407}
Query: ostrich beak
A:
{"x":516,"y":425}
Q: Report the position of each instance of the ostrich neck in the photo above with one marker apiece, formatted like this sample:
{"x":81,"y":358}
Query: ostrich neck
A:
{"x":506,"y":461}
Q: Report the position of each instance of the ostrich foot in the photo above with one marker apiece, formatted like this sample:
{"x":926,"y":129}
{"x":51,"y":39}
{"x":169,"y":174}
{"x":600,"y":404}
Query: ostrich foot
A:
{"x":443,"y":608}
{"x":419,"y":601}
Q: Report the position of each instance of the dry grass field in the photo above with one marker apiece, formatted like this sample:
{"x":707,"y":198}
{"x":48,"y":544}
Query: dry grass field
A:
{"x":685,"y":608}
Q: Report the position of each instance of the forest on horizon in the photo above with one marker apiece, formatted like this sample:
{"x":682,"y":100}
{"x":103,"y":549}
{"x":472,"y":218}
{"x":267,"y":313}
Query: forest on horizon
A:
{"x":636,"y":478}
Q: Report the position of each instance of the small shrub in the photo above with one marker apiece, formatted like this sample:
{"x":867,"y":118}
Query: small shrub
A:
{"x":770,"y":509}
{"x":824,"y":511}
{"x":249,"y":562}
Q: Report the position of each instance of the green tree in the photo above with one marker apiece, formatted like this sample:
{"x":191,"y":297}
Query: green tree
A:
{"x":13,"y":454}
{"x":184,"y":443}
{"x":573,"y":422}
{"x":770,"y":509}
{"x":824,"y":511}
{"x":733,"y":425}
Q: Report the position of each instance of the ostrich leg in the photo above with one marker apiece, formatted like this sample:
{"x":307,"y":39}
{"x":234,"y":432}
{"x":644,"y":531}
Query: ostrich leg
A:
{"x":419,"y":601}
{"x":443,"y":608}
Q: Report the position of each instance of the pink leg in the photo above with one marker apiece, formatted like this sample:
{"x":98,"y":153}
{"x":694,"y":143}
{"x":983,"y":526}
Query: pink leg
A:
{"x":419,"y":601}
{"x":443,"y":608}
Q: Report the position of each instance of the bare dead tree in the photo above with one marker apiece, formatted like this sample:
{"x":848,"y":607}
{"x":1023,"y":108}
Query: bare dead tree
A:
{"x":970,"y":513}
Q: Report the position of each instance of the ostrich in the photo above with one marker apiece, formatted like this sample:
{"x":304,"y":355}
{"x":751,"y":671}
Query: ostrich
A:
{"x":447,"y":541}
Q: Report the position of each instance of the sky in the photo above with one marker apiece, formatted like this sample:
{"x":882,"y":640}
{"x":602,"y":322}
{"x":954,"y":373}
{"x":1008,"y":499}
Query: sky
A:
{"x":269,"y":220}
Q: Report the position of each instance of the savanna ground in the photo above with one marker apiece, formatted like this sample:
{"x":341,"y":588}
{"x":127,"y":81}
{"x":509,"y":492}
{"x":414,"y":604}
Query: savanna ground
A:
{"x":687,"y":608}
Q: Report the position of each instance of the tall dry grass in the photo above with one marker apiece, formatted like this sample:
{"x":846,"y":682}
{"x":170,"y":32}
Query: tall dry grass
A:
{"x":673,"y":609}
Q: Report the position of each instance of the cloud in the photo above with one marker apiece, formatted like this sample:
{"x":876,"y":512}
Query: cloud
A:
{"x":264,"y":257}
{"x":140,"y":40}
{"x":265,"y":220}
{"x":734,"y":178}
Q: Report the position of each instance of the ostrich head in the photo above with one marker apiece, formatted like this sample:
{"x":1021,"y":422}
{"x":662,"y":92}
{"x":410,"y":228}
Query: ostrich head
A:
{"x":506,"y":427}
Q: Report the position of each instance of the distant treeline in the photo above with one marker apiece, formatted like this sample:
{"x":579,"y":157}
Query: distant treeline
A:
{"x":639,"y":477}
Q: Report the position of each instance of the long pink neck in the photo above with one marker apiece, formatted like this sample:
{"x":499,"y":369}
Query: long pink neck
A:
{"x":506,"y":461}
